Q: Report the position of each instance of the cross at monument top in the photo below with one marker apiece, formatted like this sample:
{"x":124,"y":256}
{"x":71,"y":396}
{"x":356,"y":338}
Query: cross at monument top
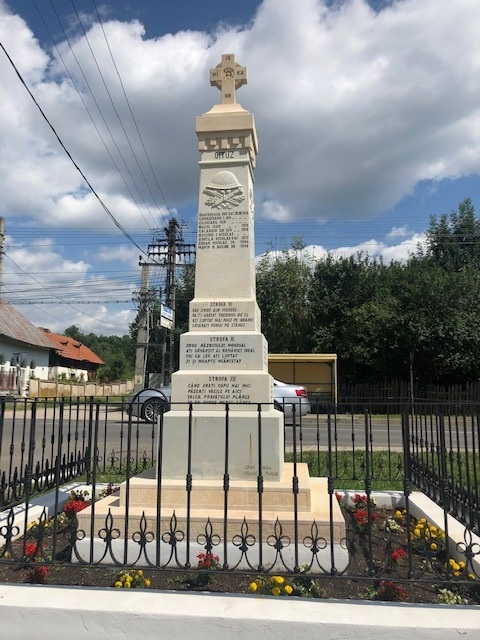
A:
{"x":228,"y":76}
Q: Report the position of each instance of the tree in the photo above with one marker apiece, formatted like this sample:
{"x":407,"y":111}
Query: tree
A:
{"x":454,"y":241}
{"x":282,"y":294}
{"x":117,"y":352}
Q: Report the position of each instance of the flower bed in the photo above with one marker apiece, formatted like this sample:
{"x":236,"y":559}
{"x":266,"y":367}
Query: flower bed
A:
{"x":389,"y":560}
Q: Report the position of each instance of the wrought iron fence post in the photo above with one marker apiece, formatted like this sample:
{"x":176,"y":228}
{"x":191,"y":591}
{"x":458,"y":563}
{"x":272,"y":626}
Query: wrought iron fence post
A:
{"x":89,"y":447}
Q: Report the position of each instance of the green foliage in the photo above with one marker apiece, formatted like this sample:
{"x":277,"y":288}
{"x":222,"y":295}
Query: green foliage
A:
{"x":117,"y":352}
{"x":383,"y":321}
{"x":454,"y":241}
{"x":282,"y":294}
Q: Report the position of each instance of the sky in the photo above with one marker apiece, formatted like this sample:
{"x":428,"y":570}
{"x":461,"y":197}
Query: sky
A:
{"x":367,"y":115}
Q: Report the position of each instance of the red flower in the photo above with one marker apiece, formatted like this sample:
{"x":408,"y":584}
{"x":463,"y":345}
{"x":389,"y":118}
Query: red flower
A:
{"x":339,"y":496}
{"x":361,"y":516}
{"x":72,"y":507}
{"x":360,"y":501}
{"x":38,"y":575}
{"x":208,"y":561}
{"x":30,"y":549}
{"x":398,"y":554}
{"x":392,"y":592}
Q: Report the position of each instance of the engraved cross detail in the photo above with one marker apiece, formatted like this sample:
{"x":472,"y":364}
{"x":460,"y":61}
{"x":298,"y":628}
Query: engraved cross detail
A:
{"x":228,"y":76}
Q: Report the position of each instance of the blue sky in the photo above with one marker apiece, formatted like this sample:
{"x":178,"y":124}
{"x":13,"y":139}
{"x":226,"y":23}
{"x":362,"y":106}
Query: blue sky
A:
{"x":367,"y":113}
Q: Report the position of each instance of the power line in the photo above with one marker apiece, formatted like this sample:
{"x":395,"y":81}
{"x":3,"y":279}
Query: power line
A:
{"x":67,"y":39}
{"x":59,"y":300}
{"x":131,"y":112}
{"x":103,"y":205}
{"x":127,"y":138}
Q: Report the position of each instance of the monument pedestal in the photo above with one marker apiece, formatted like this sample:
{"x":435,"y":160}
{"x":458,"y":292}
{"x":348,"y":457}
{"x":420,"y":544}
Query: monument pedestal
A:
{"x":208,"y":444}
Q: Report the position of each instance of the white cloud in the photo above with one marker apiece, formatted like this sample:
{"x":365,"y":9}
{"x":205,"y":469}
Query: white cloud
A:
{"x":37,"y":272}
{"x":398,"y":232}
{"x":353,"y":108}
{"x":372,"y":249}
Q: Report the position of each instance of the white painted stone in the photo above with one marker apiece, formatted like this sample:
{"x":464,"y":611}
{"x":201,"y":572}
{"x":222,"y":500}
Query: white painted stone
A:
{"x":208,"y":445}
{"x":219,"y":387}
{"x":82,"y":613}
{"x":235,"y":558}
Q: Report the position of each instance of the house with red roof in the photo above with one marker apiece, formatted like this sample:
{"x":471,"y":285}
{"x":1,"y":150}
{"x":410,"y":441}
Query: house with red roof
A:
{"x":24,"y":351}
{"x":28,"y":351}
{"x":71,"y":358}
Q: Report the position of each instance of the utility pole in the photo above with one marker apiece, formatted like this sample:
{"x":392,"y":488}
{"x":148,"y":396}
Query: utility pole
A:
{"x":143,"y":331}
{"x":2,"y":251}
{"x":167,"y":334}
{"x":165,"y":253}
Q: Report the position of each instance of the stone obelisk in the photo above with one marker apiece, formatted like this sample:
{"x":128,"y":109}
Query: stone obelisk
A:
{"x":224,"y":356}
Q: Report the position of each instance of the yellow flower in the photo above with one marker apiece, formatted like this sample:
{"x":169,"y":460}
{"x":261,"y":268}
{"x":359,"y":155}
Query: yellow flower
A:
{"x":416,"y":532}
{"x":471,"y":576}
{"x":276,"y":591}
{"x":423,"y":520}
{"x":258,"y":582}
{"x":118,"y":584}
{"x":433,"y":546}
{"x":433,"y":527}
{"x":127,"y":585}
{"x":420,"y":525}
{"x":147,"y":582}
{"x":455,"y":566}
{"x":279,"y":579}
{"x":140,"y":572}
{"x":288,"y":589}
{"x":456,"y":573}
{"x":461,"y":564}
{"x":253,"y":586}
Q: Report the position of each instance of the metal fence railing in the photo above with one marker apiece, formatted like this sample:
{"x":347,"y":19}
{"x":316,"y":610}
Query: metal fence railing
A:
{"x":433,"y":448}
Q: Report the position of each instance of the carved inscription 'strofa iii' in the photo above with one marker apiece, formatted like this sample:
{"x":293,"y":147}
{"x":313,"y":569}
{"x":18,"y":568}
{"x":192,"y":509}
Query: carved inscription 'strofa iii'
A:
{"x":228,"y":76}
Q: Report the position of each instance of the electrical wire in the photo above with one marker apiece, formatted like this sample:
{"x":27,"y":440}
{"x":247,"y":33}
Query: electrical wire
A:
{"x":74,"y":84}
{"x":58,"y":298}
{"x":131,"y":112}
{"x":103,"y":205}
{"x":127,"y":138}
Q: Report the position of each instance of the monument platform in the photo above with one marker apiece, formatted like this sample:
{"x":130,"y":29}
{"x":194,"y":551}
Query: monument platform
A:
{"x":228,"y":517}
{"x":207,"y":502}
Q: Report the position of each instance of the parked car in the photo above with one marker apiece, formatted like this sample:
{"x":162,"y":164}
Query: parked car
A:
{"x":148,"y":404}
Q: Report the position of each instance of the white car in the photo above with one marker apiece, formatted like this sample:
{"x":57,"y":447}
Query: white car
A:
{"x":148,"y":404}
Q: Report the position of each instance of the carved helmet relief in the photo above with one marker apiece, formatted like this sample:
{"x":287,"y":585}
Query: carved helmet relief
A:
{"x":224,"y":191}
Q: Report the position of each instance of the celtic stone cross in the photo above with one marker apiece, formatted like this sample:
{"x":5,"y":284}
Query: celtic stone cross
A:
{"x":228,"y":76}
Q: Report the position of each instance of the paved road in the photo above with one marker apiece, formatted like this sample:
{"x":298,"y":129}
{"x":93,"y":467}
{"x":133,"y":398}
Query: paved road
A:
{"x":18,"y":433}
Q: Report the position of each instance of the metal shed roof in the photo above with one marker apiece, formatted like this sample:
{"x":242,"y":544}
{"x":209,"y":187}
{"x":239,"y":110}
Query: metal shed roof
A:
{"x":15,"y":327}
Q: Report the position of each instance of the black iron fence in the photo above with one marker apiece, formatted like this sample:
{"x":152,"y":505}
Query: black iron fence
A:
{"x":432,"y":448}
